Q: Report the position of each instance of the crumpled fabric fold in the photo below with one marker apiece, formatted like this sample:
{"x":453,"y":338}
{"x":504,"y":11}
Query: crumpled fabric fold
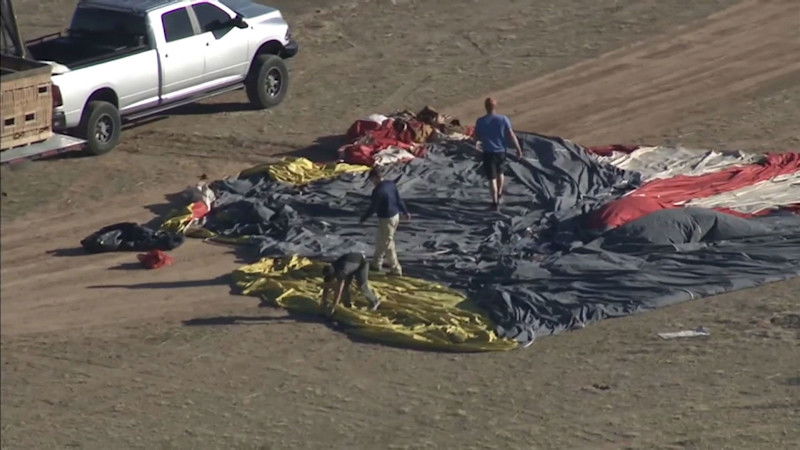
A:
{"x":413,"y":313}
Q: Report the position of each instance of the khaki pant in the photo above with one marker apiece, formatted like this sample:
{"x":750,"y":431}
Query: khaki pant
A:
{"x":384,"y":245}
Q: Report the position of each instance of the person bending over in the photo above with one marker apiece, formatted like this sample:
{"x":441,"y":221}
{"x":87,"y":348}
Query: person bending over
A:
{"x":339,"y":275}
{"x":494,"y":132}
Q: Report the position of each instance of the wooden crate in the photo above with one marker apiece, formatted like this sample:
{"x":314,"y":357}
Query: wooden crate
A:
{"x":26,"y":102}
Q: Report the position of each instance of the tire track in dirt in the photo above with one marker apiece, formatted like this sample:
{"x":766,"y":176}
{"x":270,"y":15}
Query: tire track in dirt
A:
{"x":657,"y":84}
{"x":649,"y":86}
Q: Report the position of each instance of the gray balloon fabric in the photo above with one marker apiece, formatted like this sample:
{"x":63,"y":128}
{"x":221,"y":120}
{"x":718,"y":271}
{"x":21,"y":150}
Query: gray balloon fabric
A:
{"x":535,"y":267}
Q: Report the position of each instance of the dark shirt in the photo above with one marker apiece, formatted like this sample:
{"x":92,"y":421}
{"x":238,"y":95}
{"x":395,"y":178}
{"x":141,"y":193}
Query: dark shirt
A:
{"x":347,"y":265}
{"x":386,"y":201}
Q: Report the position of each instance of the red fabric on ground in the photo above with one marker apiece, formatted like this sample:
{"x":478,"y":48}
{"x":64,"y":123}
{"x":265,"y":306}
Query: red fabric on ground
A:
{"x":155,"y":259}
{"x":366,"y":137}
{"x":684,"y":188}
{"x":607,"y":150}
{"x":369,"y":140}
{"x":199,"y":209}
{"x":671,"y":192}
{"x":409,"y":132}
{"x":624,"y":210}
{"x":360,"y":128}
{"x":357,"y":154}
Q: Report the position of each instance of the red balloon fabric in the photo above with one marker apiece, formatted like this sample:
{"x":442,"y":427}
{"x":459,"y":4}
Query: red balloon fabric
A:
{"x":673,"y":192}
{"x":155,"y":259}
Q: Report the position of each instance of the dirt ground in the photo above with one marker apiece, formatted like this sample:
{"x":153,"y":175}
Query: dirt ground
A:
{"x":97,"y":353}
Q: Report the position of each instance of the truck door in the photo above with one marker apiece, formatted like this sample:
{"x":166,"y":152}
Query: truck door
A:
{"x":182,"y":63}
{"x":226,"y":51}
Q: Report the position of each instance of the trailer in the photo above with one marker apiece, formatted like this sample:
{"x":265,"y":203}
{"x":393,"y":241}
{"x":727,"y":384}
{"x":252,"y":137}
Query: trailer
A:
{"x":26,"y":101}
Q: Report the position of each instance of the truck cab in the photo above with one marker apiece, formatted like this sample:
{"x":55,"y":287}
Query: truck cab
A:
{"x":126,"y":59}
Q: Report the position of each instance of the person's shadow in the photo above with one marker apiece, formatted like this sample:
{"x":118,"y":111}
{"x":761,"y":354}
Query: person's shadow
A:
{"x":251,"y":320}
{"x":173,"y":202}
{"x":220,"y":280}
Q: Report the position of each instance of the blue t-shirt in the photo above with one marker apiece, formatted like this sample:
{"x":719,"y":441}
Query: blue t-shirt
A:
{"x":492,"y":130}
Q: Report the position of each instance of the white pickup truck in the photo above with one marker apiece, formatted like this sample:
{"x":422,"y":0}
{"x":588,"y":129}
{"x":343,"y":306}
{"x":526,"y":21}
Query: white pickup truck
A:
{"x":126,"y":59}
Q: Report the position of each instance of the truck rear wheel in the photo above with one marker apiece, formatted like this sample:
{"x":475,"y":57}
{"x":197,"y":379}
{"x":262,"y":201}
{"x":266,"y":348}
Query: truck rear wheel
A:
{"x":100,"y":126}
{"x":268,"y":81}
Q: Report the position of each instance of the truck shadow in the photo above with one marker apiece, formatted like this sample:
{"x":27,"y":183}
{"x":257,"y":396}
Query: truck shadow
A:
{"x":210,"y":108}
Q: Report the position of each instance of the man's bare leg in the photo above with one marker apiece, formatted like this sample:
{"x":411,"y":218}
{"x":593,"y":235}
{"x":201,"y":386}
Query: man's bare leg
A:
{"x":493,"y":189}
{"x":500,"y":185}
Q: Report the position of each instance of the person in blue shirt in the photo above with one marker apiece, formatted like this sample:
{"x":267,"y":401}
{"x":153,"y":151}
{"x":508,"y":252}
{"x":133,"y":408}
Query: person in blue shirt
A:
{"x":388,"y":205}
{"x":494,"y":132}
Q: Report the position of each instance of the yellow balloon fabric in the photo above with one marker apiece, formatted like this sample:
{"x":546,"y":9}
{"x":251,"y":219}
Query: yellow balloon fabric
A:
{"x":302,"y":171}
{"x":413,"y":313}
{"x":180,"y":223}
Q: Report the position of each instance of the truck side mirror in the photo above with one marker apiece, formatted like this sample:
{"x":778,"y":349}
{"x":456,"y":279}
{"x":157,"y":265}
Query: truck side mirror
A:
{"x":239,"y":22}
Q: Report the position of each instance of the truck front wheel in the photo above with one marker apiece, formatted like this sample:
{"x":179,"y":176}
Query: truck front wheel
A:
{"x":100,"y":126}
{"x":268,"y":81}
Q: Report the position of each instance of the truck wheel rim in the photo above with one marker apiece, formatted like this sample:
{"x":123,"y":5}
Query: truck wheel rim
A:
{"x":104,"y":128}
{"x":274,"y":82}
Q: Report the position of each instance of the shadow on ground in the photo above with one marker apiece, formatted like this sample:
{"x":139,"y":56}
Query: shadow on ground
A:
{"x":220,"y":280}
{"x":210,"y":108}
{"x":322,"y":150}
{"x":295,"y":318}
{"x":173,"y":203}
{"x":250,"y":320}
{"x":127,"y":266}
{"x":68,"y":252}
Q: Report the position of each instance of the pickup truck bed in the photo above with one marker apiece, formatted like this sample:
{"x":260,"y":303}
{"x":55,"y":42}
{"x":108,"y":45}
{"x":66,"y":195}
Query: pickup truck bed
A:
{"x":75,"y":52}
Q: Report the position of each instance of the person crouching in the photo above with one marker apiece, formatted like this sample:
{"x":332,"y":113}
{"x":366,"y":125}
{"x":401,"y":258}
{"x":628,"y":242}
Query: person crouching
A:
{"x":339,"y":275}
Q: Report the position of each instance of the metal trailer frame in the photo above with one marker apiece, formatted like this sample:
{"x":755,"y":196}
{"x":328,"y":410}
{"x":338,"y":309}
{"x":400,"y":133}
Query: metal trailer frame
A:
{"x":58,"y":143}
{"x":13,"y":45}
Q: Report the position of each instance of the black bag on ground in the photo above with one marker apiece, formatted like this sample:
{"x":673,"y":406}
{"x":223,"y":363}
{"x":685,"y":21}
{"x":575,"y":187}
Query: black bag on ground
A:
{"x":130,"y":236}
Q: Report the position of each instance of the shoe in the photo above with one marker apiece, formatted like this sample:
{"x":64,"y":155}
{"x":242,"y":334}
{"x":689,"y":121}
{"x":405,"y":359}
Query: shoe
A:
{"x":395,"y":273}
{"x":375,"y":305}
{"x":375,"y":269}
{"x":493,"y":207}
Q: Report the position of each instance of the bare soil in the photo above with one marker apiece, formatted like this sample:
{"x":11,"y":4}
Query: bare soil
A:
{"x":97,"y":353}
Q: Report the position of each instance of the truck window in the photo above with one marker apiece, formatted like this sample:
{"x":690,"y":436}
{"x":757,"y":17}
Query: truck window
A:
{"x":177,"y":25}
{"x":210,"y":17}
{"x":107,"y":25}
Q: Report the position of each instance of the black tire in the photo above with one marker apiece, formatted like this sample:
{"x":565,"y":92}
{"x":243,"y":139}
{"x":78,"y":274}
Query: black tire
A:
{"x":268,"y":81}
{"x":101,"y":126}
